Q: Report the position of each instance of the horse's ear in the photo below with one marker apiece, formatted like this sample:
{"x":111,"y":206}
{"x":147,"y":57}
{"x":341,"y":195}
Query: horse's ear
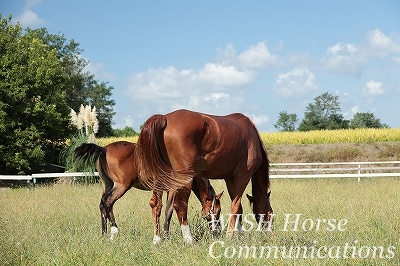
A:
{"x":268,"y":194}
{"x":250,"y":198}
{"x":219,"y":195}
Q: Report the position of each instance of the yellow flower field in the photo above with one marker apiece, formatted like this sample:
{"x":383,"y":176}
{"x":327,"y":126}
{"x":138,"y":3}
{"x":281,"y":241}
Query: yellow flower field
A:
{"x":364,"y":135}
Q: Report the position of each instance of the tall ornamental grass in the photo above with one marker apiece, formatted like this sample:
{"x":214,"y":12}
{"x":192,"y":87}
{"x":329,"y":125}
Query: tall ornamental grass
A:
{"x":87,"y":126}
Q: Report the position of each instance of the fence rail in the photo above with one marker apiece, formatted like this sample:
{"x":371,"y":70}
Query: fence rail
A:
{"x":335,"y":170}
{"x":277,"y":170}
{"x":33,"y":178}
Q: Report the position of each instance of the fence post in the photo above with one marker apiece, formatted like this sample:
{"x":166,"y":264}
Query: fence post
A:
{"x":359,"y":172}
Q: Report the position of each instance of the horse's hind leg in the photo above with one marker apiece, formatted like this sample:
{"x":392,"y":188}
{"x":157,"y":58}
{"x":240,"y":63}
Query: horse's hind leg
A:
{"x":103,"y":215}
{"x":168,"y":213}
{"x":107,"y":186}
{"x":116,"y":192}
{"x":181,"y":207}
{"x":156,"y":206}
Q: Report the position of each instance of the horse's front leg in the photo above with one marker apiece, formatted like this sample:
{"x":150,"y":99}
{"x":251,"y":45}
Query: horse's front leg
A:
{"x":235,"y":219}
{"x":181,"y":207}
{"x":168,"y":212}
{"x":156,"y":206}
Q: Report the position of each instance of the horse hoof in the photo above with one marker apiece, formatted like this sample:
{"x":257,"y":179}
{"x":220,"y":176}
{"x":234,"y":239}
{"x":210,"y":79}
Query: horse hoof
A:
{"x":114,"y":232}
{"x":156,"y":240}
{"x":189,"y":240}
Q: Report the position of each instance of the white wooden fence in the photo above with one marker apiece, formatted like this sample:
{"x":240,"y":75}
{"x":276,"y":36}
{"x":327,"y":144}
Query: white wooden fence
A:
{"x":33,"y":178}
{"x":277,"y":170}
{"x":335,"y":170}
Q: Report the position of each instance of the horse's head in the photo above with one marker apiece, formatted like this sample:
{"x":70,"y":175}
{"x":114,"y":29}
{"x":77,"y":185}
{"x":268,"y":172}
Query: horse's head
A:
{"x":212,"y":210}
{"x":262,"y":209}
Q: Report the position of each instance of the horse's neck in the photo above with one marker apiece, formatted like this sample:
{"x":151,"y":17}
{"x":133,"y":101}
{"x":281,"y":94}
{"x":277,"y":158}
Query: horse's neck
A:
{"x":208,"y":193}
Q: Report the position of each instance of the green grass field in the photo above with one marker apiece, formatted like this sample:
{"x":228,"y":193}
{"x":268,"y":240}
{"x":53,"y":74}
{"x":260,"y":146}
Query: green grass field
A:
{"x":60,"y":225}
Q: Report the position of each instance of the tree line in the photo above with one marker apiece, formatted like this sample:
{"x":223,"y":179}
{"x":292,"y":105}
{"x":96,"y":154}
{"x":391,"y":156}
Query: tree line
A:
{"x":325,"y":114}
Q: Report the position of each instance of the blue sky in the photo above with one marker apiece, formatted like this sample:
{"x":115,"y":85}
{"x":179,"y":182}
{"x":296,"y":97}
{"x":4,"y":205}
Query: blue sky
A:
{"x":219,"y":57}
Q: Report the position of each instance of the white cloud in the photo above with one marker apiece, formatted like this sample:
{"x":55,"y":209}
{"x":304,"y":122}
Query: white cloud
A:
{"x":217,"y":96}
{"x":397,"y":61}
{"x":355,"y":109}
{"x":373,"y":88}
{"x":381,"y":45}
{"x":345,"y":59}
{"x":351,"y":59}
{"x":99,"y":71}
{"x":219,"y":103}
{"x":128,"y":121}
{"x":160,"y":83}
{"x":227,"y":55}
{"x":29,"y":18}
{"x":259,"y":120}
{"x":223,"y":75}
{"x":257,"y":56}
{"x":172,"y":83}
{"x":295,"y":82}
{"x":342,"y":49}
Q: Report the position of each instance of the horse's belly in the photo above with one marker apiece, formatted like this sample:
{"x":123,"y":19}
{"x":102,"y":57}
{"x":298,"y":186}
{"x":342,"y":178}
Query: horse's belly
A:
{"x":215,"y":170}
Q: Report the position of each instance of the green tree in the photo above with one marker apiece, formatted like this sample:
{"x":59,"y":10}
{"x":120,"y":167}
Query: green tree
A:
{"x":34,"y":113}
{"x":366,"y":120}
{"x":286,"y":122}
{"x":324,"y":113}
{"x":125,"y":132}
{"x":81,"y":87}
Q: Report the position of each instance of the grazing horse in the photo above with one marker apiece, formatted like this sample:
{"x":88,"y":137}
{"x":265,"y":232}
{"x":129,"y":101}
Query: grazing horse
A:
{"x":115,"y":164}
{"x":173,"y":149}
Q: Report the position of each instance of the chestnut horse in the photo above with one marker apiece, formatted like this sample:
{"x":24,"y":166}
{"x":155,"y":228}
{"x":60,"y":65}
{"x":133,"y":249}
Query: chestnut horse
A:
{"x":115,"y":164}
{"x":173,"y":149}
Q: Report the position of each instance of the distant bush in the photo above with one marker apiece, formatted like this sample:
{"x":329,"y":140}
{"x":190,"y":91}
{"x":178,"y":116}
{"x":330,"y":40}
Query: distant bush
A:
{"x":125,"y":132}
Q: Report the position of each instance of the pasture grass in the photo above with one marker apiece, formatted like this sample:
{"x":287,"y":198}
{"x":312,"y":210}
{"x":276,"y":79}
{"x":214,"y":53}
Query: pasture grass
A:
{"x":60,"y":225}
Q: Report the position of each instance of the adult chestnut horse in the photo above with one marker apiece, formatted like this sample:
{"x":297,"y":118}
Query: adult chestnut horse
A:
{"x":115,"y":164}
{"x":176,"y":147}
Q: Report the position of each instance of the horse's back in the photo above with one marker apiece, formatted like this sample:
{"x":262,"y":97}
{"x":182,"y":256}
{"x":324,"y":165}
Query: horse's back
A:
{"x":234,"y":128}
{"x":193,"y":124}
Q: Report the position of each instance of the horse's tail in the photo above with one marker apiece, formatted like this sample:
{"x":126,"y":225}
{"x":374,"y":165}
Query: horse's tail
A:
{"x":87,"y":154}
{"x":154,"y":172}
